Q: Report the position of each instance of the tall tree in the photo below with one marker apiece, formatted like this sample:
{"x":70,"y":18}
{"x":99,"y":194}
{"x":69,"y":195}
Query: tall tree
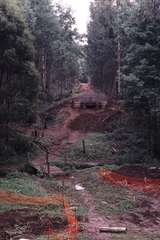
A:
{"x":102,"y":45}
{"x":18,"y":75}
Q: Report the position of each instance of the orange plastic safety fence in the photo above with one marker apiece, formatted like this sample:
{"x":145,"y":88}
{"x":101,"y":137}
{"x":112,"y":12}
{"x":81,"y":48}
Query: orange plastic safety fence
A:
{"x":30,"y":200}
{"x":145,"y":184}
{"x":72,"y":227}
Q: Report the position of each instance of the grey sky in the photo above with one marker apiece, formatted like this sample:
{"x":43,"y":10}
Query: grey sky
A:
{"x":80,"y":11}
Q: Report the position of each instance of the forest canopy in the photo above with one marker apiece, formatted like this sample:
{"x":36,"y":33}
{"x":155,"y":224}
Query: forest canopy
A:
{"x":123,"y":55}
{"x":38,"y":58}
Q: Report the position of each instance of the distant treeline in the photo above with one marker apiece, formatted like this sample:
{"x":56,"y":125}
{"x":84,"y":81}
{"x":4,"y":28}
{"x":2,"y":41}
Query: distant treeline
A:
{"x":135,"y":25}
{"x":38,"y":55}
{"x":38,"y":61}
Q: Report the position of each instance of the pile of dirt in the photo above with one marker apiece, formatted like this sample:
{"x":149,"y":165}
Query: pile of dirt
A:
{"x":94,"y":122}
{"x":139,"y":172}
{"x":30,"y":221}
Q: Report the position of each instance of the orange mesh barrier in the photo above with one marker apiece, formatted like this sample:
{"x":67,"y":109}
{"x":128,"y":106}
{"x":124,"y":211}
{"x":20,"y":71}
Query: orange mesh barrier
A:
{"x":145,"y":184}
{"x":72,"y":228}
{"x":30,"y":200}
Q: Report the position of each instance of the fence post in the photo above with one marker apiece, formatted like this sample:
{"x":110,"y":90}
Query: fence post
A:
{"x":84,"y":146}
{"x":47,"y":163}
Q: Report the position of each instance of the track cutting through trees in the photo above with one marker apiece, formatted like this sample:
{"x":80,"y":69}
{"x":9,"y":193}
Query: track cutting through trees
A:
{"x":59,"y":137}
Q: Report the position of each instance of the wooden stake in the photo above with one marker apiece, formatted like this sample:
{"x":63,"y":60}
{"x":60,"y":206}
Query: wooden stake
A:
{"x":113,"y":229}
{"x":84,"y":146}
{"x":47,"y":163}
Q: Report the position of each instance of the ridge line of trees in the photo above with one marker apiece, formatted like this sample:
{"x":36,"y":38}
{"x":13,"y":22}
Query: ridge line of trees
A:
{"x":138,"y":25}
{"x":38,"y":62}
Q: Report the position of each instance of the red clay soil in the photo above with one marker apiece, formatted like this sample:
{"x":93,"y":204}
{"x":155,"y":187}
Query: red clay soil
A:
{"x":95,"y":220}
{"x":72,"y":127}
{"x":70,"y":232}
{"x":145,"y":184}
{"x":36,"y":227}
{"x":58,"y":137}
{"x":31,"y":220}
{"x":13,"y":198}
{"x":73,"y":227}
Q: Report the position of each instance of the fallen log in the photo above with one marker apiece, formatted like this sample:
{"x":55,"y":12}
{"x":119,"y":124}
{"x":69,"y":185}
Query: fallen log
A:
{"x":113,"y":229}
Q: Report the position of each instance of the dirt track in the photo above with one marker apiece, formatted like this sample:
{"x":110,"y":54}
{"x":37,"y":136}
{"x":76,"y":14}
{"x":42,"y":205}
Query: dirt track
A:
{"x":72,"y":125}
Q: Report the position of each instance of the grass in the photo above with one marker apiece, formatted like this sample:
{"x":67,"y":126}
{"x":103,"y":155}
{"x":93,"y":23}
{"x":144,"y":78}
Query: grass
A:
{"x":8,"y":207}
{"x":119,"y":146}
{"x":135,"y":237}
{"x":108,"y":199}
{"x":42,"y":238}
{"x":115,"y":202}
{"x":81,"y":213}
{"x":80,"y":236}
{"x":54,"y":186}
{"x":96,"y":149}
{"x":52,"y":211}
{"x":83,"y":236}
{"x":21,"y":184}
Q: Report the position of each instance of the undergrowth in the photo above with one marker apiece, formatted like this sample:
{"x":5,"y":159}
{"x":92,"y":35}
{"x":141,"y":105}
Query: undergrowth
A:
{"x":136,"y":236}
{"x":123,"y":143}
{"x":20,"y":184}
{"x":108,"y":199}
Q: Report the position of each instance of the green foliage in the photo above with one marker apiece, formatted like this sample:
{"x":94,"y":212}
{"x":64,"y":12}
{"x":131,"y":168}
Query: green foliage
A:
{"x":38,"y":62}
{"x":57,"y":51}
{"x":17,"y":54}
{"x":109,"y":199}
{"x":136,"y":26}
{"x":101,"y":50}
{"x":140,"y":63}
{"x":82,"y":236}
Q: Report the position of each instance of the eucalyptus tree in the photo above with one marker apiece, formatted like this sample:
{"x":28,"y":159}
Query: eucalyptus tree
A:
{"x":55,"y":41}
{"x":18,"y":75}
{"x":68,"y":50}
{"x":102,"y":45}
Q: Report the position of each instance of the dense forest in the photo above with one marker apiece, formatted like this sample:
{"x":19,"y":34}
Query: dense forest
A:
{"x":123,"y":55}
{"x":38,"y":63}
{"x":42,"y":58}
{"x":79,"y":120}
{"x":135,"y":26}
